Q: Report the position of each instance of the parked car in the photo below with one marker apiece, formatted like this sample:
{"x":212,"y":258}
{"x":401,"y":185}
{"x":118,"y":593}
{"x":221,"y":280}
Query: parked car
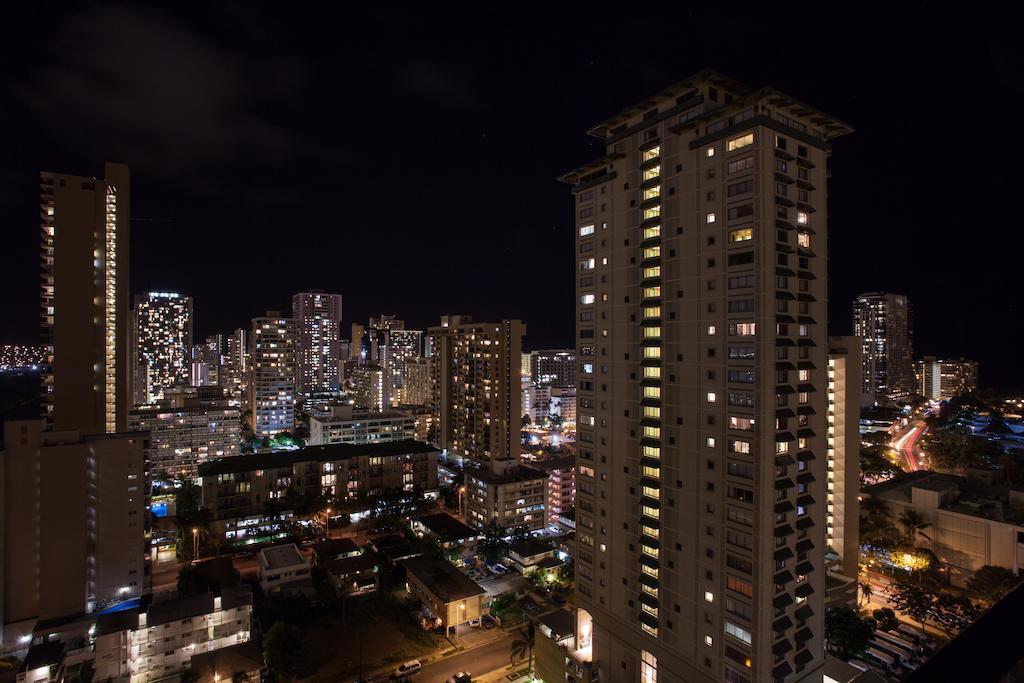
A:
{"x":499,"y":569}
{"x":407,"y":668}
{"x":488,"y":621}
{"x":460,"y":677}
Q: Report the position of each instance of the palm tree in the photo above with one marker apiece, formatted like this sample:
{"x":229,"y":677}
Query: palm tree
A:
{"x":523,"y":646}
{"x":866,"y":591}
{"x":878,"y":531}
{"x":874,"y":507}
{"x":915,"y":524}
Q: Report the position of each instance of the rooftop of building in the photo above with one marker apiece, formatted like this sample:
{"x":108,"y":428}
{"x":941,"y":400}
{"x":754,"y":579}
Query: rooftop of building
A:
{"x":442,"y":579}
{"x":968,"y":495}
{"x":530,"y":546}
{"x":560,"y":462}
{"x":220,"y":664}
{"x":334,"y":548}
{"x":512,"y":475}
{"x":281,"y":557}
{"x":357,"y":563}
{"x":901,"y":486}
{"x":43,"y":654}
{"x":560,"y":623}
{"x":175,"y":609}
{"x":321,"y":453}
{"x":446,"y":527}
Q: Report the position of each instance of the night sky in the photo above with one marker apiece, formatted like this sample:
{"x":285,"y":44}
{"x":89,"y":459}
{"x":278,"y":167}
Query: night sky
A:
{"x":408,"y":161}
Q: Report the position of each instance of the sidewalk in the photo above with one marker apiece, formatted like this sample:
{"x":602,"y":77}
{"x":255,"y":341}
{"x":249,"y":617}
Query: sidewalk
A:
{"x":506,"y":674}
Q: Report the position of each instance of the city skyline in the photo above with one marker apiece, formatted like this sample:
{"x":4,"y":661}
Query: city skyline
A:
{"x":884,"y":240}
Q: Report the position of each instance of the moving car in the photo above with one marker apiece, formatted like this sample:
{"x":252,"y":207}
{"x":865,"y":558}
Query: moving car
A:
{"x":460,"y":677}
{"x":407,"y":668}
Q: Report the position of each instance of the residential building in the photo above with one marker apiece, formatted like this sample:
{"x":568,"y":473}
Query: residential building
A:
{"x":450,"y":596}
{"x":941,"y":380}
{"x":235,"y":373}
{"x":150,"y":643}
{"x":272,"y":383}
{"x":84,"y":300}
{"x":475,"y":386}
{"x":416,"y":382}
{"x":701,"y":343}
{"x":281,"y":565}
{"x":512,"y":498}
{"x":244,"y":661}
{"x":72,"y":523}
{"x":190,"y":426}
{"x":317,"y":317}
{"x":346,"y":424}
{"x":561,"y":485}
{"x":553,"y":368}
{"x":162,"y":350}
{"x":370,"y":388}
{"x":969,"y":526}
{"x":356,"y":343}
{"x":23,"y":356}
{"x":524,"y":364}
{"x":532,"y":554}
{"x":236,"y":490}
{"x":448,"y":530}
{"x":842,"y":454}
{"x":883,"y":322}
{"x":558,"y":657}
{"x":400,"y":347}
{"x":208,"y":362}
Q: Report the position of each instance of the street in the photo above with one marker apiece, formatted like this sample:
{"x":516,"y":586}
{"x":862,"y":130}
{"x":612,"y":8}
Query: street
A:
{"x":478,"y":661}
{"x":906,"y":446}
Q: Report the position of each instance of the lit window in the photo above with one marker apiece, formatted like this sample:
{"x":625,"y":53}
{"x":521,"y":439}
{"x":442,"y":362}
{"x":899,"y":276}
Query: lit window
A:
{"x":587,"y":264}
{"x":652,"y":352}
{"x":709,"y":152}
{"x":804,"y":375}
{"x":709,"y":596}
{"x":648,"y":667}
{"x":586,"y":230}
{"x":711,"y":330}
{"x":737,"y":632}
{"x":652,"y":212}
{"x":652,"y":332}
{"x":653,"y":392}
{"x":588,"y":368}
{"x":652,"y":252}
{"x":652,"y":271}
{"x":804,"y":240}
{"x":711,"y":442}
{"x":652,"y":231}
{"x":711,"y":397}
{"x":740,"y":142}
{"x":652,"y":292}
{"x":587,"y":299}
{"x":709,"y":641}
{"x":652,"y":411}
{"x":652,"y":372}
{"x":651,"y":173}
{"x":651,"y":153}
{"x":652,"y":311}
{"x":741,"y":235}
{"x":711,"y":217}
{"x":652,"y":192}
{"x":781,"y":447}
{"x":801,"y":217}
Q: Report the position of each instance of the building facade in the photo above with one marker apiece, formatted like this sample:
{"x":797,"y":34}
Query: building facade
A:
{"x":142,"y":645}
{"x":162,"y":330}
{"x":236,"y":491}
{"x":475,"y":388}
{"x":272,"y":380}
{"x":234,"y":375}
{"x":72,"y":523}
{"x":842,"y":519}
{"x":370,"y":388}
{"x":941,"y":380}
{"x":345,"y":424}
{"x":416,"y":382}
{"x":701,"y":343}
{"x":188,"y":427}
{"x":84,"y":299}
{"x":883,"y":323}
{"x":208,"y":362}
{"x":317,"y":318}
{"x":510,"y":498}
{"x":561,"y":486}
{"x":401,"y":347}
{"x":553,"y":368}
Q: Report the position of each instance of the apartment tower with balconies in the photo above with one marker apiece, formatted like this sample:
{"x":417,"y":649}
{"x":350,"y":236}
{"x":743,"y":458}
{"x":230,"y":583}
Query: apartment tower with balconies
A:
{"x":702,"y":351}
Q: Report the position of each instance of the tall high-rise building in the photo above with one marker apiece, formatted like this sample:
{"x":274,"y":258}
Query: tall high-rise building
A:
{"x":235,"y":374}
{"x":356,"y":342}
{"x":475,"y":388}
{"x":272,"y":380}
{"x":842,"y":518}
{"x":701,"y":342}
{"x":400,"y":347}
{"x":84,"y":248}
{"x":553,"y":368}
{"x":416,"y":384}
{"x":941,"y":380}
{"x":72,"y":524}
{"x":162,"y":348}
{"x":317,"y":318}
{"x":208,"y":362}
{"x":883,"y":322}
{"x":370,"y":388}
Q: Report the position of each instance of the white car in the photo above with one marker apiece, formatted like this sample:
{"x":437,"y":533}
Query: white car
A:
{"x":407,"y":668}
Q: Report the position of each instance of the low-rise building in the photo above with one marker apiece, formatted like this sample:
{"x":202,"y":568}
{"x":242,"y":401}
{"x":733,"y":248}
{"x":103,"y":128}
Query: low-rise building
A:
{"x":355,"y":574}
{"x":246,"y":495}
{"x":281,"y":565}
{"x":189,"y":426}
{"x":531,"y":555}
{"x":147,"y":644}
{"x":450,"y":597}
{"x":235,"y":663}
{"x":971,"y":525}
{"x":563,"y":647}
{"x":512,"y":498}
{"x":346,"y":424}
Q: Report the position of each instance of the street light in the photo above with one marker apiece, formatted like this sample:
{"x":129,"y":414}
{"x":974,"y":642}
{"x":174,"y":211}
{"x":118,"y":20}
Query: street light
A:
{"x":462,"y":490}
{"x":195,"y":543}
{"x":328,"y":522}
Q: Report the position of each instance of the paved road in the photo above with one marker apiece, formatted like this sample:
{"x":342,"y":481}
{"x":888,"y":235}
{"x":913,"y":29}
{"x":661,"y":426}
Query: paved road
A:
{"x":478,"y":661}
{"x":906,"y":445}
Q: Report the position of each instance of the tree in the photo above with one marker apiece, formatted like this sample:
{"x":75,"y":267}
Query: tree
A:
{"x":914,"y":600}
{"x":846,"y":632}
{"x":188,"y":676}
{"x":282,"y":650}
{"x":915,"y":524}
{"x":523,"y":646}
{"x":866,"y":591}
{"x":990,"y":583}
{"x":886,"y":619}
{"x":954,"y":612}
{"x":192,"y":581}
{"x":493,"y":545}
{"x":875,"y":467}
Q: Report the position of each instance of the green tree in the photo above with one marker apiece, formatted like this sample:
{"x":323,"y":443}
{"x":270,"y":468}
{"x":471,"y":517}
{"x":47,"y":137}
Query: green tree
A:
{"x":886,"y":619}
{"x":493,"y":545}
{"x":915,"y":524}
{"x":990,"y":583}
{"x":954,"y":613}
{"x":523,"y":645}
{"x":847,"y":633}
{"x":283,"y":651}
{"x":914,"y":600}
{"x":192,"y":581}
{"x":866,"y":591}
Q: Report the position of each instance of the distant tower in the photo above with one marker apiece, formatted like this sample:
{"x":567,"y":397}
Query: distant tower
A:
{"x":85,"y":233}
{"x":317,"y":318}
{"x":272,"y":384}
{"x":883,"y":322}
{"x":162,"y":329}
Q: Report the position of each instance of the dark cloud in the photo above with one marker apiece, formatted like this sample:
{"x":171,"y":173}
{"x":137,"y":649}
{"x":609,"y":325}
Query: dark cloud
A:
{"x":162,"y":96}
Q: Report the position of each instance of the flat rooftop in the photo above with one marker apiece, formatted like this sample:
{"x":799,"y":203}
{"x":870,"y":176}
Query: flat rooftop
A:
{"x":334,"y":549}
{"x":442,"y":579}
{"x":281,"y":556}
{"x":322,"y":453}
{"x":900,"y":486}
{"x":446,"y":527}
{"x":531,"y":546}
